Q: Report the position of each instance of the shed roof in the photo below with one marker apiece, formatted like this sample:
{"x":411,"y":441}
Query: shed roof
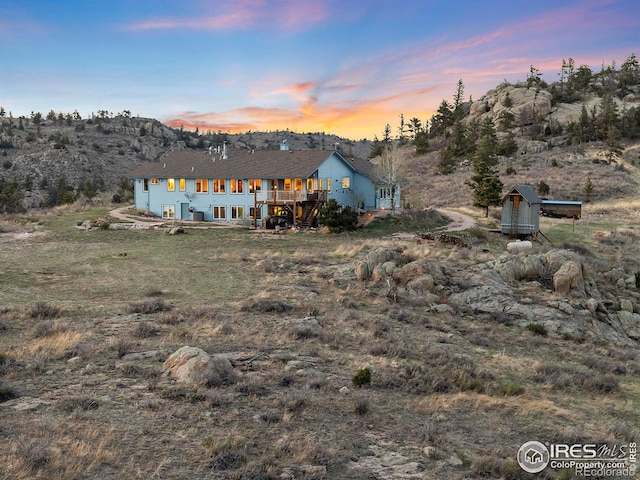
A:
{"x":245,"y":164}
{"x":526,"y":191}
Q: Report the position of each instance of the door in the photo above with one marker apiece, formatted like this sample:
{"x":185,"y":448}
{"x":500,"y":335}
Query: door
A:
{"x":184,"y":211}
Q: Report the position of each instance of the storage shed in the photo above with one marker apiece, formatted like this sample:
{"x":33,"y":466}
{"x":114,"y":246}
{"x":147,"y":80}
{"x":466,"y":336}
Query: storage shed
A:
{"x":521,"y":211}
{"x":561,"y":208}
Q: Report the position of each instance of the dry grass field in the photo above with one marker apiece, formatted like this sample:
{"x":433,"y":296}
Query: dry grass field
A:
{"x":87,"y":319}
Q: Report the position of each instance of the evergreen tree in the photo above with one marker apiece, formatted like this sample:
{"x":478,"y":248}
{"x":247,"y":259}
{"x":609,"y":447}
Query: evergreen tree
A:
{"x":486,"y":185}
{"x":588,"y":189}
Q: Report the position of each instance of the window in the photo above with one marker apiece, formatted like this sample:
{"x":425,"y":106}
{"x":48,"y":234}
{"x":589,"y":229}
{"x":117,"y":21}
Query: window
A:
{"x":167,"y":211}
{"x":346,"y":182}
{"x":255,"y":211}
{"x":237,"y":212}
{"x":310,"y":184}
{"x":329,"y":184}
{"x":145,"y":184}
{"x":171,"y":184}
{"x":384,"y":193}
{"x":220,"y":212}
{"x":255,"y":185}
{"x":202,"y":185}
{"x":154,"y":181}
{"x":183,"y":184}
{"x":298,"y":184}
{"x":236,"y":185}
{"x":287,"y":185}
{"x":218,"y":185}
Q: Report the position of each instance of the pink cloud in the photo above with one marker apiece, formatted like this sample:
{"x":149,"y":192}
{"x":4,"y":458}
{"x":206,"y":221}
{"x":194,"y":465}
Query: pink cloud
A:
{"x":230,"y":15}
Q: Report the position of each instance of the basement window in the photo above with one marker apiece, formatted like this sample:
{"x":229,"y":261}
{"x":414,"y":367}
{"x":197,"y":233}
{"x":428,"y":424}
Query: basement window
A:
{"x":237,"y":213}
{"x":168,"y":212}
{"x":255,"y":211}
{"x":220,"y":213}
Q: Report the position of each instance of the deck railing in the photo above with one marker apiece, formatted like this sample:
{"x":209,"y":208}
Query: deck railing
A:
{"x":289,"y":196}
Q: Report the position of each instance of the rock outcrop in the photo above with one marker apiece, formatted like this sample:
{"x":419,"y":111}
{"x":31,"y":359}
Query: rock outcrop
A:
{"x":569,"y":300}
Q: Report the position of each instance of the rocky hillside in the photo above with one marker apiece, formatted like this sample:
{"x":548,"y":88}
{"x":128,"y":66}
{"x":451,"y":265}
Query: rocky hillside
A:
{"x":48,"y":157}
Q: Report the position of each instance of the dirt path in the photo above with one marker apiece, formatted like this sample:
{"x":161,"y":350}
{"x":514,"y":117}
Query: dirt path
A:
{"x":120,"y":215}
{"x":460,"y":221}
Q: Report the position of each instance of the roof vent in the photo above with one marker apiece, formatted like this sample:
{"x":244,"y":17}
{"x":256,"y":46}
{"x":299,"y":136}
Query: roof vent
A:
{"x":193,"y":168}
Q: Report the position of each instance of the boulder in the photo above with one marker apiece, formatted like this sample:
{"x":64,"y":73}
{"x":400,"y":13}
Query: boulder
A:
{"x":569,"y":280}
{"x":194,"y":365}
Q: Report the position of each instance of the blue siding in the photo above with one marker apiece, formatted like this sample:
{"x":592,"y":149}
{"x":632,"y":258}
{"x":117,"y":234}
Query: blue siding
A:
{"x":357,"y":191}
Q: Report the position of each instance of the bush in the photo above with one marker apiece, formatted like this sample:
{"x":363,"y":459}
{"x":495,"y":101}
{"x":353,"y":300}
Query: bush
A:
{"x":538,"y":329}
{"x":361,"y":406}
{"x":512,"y":390}
{"x":338,"y":218}
{"x":362,"y":377}
{"x":148,"y":307}
{"x":42,"y":310}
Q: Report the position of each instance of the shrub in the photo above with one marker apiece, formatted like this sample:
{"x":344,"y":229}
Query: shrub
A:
{"x":512,"y":390}
{"x":75,"y":403}
{"x":148,"y":307}
{"x":338,"y":218}
{"x":362,"y":377}
{"x":120,"y":345}
{"x":265,"y":305}
{"x":7,"y":392}
{"x":42,"y":310}
{"x":538,"y":329}
{"x":145,"y":330}
{"x":361,"y":406}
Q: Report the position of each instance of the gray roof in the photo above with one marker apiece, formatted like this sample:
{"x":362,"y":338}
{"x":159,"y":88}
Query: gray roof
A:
{"x":526,"y":191}
{"x":244,"y":164}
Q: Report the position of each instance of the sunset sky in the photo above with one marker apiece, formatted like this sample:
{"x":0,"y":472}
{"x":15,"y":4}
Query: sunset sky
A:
{"x":347,"y":67}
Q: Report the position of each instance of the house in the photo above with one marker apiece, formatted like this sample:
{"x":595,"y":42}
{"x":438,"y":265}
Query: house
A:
{"x":561,"y":208}
{"x":520,"y":211}
{"x":231,"y":185}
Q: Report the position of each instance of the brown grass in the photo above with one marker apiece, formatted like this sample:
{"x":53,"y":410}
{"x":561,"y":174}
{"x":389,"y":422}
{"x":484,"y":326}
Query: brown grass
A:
{"x":91,"y":399}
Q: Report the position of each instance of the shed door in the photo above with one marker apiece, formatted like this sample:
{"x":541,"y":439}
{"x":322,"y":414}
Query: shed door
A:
{"x":516,"y":201}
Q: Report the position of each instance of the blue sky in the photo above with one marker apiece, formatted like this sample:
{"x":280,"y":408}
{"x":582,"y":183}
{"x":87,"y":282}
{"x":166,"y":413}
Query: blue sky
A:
{"x":340,"y":66}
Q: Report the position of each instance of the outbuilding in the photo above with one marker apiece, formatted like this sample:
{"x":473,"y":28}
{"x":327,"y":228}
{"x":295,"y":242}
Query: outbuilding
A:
{"x":521,"y":211}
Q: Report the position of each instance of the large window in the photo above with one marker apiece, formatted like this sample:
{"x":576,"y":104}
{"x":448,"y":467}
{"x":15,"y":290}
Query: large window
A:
{"x":346,"y":182}
{"x":168,"y":212}
{"x":220,"y":213}
{"x":255,"y":185}
{"x":218,"y":185}
{"x":183,"y":184}
{"x":237,"y":212}
{"x":237,"y":185}
{"x":171,"y":184}
{"x":202,"y":185}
